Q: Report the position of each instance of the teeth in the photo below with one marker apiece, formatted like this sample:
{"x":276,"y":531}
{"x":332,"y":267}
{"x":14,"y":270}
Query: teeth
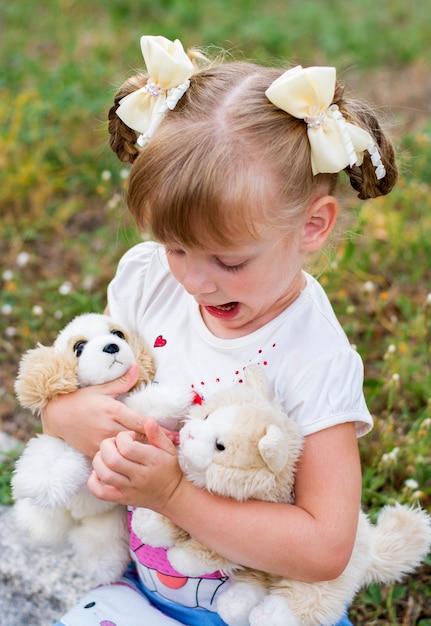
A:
{"x":226,"y":307}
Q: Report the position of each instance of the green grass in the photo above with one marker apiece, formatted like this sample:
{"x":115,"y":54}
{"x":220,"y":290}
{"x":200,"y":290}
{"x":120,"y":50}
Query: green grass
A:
{"x":63,"y":224}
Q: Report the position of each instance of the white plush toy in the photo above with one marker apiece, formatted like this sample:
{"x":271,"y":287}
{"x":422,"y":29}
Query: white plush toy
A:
{"x":241,"y":445}
{"x":53,"y":504}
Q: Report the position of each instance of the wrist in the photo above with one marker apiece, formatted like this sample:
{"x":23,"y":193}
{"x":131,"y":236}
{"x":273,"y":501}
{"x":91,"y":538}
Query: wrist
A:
{"x":176,"y":503}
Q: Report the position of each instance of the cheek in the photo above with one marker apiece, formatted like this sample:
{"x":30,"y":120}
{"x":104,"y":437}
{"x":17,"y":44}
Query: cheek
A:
{"x":175,"y":265}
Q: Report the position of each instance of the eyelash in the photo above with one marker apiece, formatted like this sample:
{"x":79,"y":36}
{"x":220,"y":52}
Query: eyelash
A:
{"x":232,"y":268}
{"x":227,"y":268}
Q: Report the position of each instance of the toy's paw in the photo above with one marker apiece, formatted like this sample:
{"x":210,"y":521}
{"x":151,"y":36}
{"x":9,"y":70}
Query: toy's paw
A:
{"x":191,"y":563}
{"x":169,"y":404}
{"x":49,"y":472}
{"x":101,"y":543}
{"x":273,"y":611}
{"x":85,"y":504}
{"x":45,"y":526}
{"x":235,"y":604}
{"x":152,"y":528}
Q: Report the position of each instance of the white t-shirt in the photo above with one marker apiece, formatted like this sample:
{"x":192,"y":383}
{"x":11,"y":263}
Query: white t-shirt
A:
{"x":307,"y":357}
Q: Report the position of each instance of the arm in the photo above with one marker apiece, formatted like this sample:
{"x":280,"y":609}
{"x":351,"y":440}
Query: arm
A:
{"x":311,"y":540}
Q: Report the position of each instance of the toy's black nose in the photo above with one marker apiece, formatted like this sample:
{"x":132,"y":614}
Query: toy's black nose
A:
{"x":111,"y":348}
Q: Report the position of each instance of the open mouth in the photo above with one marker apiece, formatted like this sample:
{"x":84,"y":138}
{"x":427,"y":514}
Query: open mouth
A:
{"x":227,"y":310}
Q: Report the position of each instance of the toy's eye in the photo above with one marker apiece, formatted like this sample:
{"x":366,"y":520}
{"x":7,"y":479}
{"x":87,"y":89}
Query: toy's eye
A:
{"x":79,"y":347}
{"x":118,"y":333}
{"x":219,"y":446}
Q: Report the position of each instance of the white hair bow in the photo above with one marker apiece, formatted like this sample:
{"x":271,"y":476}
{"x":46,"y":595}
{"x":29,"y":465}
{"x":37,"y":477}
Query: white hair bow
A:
{"x":335,"y":143}
{"x":169,"y":69}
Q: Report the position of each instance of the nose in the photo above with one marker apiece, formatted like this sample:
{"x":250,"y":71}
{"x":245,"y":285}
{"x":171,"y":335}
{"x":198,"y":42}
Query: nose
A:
{"x":197,"y":281}
{"x":111,"y":348}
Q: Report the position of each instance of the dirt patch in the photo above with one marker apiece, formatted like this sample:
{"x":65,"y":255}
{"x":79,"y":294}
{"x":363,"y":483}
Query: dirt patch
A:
{"x":404,"y":94}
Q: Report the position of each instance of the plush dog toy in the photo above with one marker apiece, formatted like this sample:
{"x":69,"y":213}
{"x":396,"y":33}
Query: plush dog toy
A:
{"x":241,"y":445}
{"x":53,"y":503}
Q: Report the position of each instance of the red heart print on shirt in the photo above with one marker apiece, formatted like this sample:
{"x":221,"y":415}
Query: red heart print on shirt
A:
{"x":159,"y":342}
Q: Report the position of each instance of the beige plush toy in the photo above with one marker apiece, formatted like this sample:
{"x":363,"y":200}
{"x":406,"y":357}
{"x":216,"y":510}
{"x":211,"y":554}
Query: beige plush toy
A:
{"x":240,"y":444}
{"x":53,"y":504}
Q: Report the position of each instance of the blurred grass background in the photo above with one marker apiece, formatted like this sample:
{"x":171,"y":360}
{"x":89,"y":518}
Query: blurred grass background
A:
{"x":63,"y":222}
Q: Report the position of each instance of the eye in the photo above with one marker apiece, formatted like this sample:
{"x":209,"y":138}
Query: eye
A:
{"x":79,"y":347}
{"x":219,"y":446}
{"x":231,"y":268}
{"x":118,"y":333}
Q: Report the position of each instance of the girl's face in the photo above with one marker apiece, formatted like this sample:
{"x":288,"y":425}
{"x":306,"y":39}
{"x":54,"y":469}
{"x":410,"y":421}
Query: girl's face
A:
{"x":239,"y":289}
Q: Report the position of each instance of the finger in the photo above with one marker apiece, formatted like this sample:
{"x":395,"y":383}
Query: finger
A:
{"x":130,"y":446}
{"x":110,"y":466}
{"x":172,"y":435}
{"x":102,"y":490}
{"x":157,"y":437}
{"x":123,"y":384}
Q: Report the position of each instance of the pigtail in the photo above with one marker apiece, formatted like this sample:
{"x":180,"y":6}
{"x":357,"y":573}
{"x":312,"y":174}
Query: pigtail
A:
{"x":122,"y":138}
{"x":363,"y":178}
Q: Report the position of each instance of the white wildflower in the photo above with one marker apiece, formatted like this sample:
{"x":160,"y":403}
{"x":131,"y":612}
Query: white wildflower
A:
{"x":412,"y":484}
{"x":22,"y":259}
{"x":65,"y":288}
{"x":7,"y":309}
{"x":7,"y":275}
{"x":88,"y":283}
{"x":390,"y":458}
{"x":114,"y":201}
{"x":369,"y":287}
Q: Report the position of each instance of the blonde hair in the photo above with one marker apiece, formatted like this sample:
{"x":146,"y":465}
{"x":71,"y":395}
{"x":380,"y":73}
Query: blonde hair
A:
{"x":226,"y":154}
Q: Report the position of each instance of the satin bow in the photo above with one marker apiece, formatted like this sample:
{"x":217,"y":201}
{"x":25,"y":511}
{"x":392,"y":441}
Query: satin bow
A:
{"x":169,"y":69}
{"x":307,"y":94}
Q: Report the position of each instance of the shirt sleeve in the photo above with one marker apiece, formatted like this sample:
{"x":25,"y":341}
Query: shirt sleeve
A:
{"x":330,"y":392}
{"x":126,"y":289}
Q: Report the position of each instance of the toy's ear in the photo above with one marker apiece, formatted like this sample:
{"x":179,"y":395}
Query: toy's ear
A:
{"x":274,"y":448}
{"x":144,"y":358}
{"x":44,"y":373}
{"x":255,"y":377}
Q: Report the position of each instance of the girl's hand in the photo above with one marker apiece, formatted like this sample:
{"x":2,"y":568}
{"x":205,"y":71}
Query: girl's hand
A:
{"x":89,"y":415}
{"x":129,"y":472}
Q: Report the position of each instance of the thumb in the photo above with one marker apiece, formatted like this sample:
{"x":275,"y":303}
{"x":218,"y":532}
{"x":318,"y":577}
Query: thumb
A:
{"x":157,"y":437}
{"x":123,"y":384}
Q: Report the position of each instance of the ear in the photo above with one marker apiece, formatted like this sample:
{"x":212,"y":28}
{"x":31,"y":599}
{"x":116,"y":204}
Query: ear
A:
{"x":321,"y":217}
{"x":144,"y":358}
{"x":255,"y":377}
{"x":274,"y":448}
{"x":44,"y":373}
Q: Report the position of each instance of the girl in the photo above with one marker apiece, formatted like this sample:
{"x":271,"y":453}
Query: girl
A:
{"x":234,"y":173}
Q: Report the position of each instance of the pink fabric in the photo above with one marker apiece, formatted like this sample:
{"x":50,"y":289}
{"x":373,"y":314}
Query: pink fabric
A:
{"x":155,"y":558}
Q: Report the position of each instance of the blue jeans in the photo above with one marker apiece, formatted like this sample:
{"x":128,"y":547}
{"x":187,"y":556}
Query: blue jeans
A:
{"x":128,"y":603}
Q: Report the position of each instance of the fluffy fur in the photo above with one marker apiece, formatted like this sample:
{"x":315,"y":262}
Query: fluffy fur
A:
{"x":53,"y":504}
{"x":240,"y":444}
